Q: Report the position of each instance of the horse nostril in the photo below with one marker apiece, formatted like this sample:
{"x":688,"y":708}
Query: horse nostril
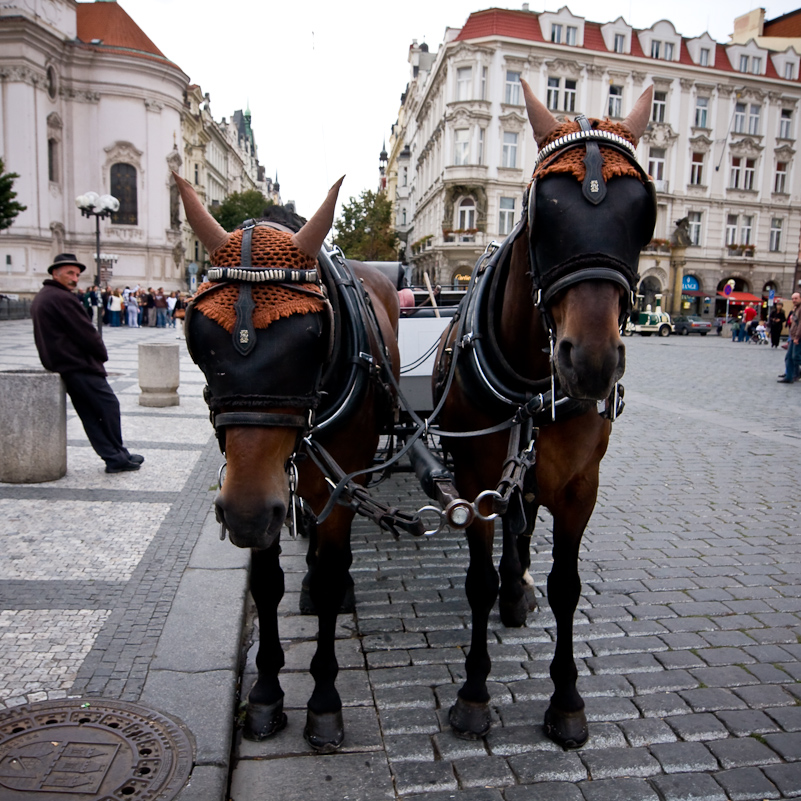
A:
{"x":565,"y":354}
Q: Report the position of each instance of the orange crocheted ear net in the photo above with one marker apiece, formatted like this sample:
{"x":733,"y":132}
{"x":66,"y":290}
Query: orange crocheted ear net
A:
{"x":269,"y":249}
{"x":572,"y":161}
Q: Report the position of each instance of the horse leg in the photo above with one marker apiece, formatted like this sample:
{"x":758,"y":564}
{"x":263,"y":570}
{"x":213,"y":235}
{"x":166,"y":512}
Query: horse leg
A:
{"x":470,"y":715}
{"x":265,"y":707}
{"x":565,"y":721}
{"x":328,"y":583}
{"x":517,"y":587}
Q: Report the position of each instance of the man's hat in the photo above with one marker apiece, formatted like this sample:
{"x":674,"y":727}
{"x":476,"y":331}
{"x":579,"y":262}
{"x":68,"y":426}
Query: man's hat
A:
{"x":62,"y":260}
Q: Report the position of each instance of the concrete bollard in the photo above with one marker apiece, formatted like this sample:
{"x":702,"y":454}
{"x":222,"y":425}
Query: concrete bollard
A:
{"x":33,"y":433}
{"x":159,"y":375}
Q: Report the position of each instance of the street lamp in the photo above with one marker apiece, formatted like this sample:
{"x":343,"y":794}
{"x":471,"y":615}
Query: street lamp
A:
{"x":98,"y":206}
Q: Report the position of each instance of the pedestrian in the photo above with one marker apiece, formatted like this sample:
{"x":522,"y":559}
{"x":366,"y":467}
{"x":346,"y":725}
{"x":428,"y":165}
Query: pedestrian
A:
{"x":792,"y":360}
{"x":150,"y":305}
{"x":68,"y":344}
{"x":160,"y":303}
{"x":172,"y":300}
{"x":735,"y":329}
{"x":132,"y":309}
{"x":115,"y":308}
{"x":776,"y":321}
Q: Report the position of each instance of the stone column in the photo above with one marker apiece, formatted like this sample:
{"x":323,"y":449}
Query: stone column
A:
{"x":677,"y":262}
{"x":33,"y":427}
{"x":159,"y":375}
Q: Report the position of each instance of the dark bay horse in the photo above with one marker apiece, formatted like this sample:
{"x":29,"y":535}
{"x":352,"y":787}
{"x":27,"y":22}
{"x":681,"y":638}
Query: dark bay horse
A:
{"x":546,"y":314}
{"x":291,"y":342}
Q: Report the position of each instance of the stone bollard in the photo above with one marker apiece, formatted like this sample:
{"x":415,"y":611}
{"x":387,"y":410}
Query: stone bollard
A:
{"x":159,"y":375}
{"x":33,"y":431}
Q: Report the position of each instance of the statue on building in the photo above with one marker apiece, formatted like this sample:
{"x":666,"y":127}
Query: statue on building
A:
{"x":680,"y":238}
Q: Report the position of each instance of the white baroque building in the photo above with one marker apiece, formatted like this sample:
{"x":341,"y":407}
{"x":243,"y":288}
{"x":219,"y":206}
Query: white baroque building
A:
{"x":720,"y":146}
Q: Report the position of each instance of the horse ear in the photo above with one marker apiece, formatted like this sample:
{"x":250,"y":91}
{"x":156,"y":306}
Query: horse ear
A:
{"x":310,"y":238}
{"x":208,"y":230}
{"x":542,"y":121}
{"x":637,"y":121}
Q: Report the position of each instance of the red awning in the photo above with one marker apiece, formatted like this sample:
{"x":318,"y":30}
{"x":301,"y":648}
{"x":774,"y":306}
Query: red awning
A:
{"x":694,"y":293}
{"x":742,"y":297}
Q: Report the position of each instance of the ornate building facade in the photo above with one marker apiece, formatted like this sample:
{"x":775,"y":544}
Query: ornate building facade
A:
{"x":720,"y":146}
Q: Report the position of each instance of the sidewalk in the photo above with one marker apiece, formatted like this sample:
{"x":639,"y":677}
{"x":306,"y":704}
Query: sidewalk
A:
{"x":686,"y":636}
{"x":117,"y":585}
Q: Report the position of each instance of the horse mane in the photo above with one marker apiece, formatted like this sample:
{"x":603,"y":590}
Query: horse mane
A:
{"x":571,"y":162}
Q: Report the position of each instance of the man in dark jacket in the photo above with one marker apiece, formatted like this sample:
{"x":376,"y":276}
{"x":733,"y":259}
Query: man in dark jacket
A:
{"x":69,"y":344}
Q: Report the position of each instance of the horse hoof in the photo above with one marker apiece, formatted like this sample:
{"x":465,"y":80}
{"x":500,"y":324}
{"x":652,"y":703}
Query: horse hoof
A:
{"x":513,"y":615}
{"x":470,"y":720}
{"x":324,"y":732}
{"x":263,"y":720}
{"x":568,"y":729}
{"x":530,"y":597}
{"x":307,"y":607}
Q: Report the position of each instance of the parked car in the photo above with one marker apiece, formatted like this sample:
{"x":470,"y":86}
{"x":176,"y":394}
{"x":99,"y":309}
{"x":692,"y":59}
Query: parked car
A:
{"x":649,"y":322}
{"x":691,"y":324}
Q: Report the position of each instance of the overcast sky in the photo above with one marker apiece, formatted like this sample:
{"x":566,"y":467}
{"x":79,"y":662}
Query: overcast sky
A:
{"x":323,"y":79}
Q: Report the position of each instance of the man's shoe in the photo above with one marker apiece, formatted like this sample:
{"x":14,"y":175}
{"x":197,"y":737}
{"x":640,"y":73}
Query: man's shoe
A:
{"x":785,"y":381}
{"x":136,"y":458}
{"x":122,"y":467}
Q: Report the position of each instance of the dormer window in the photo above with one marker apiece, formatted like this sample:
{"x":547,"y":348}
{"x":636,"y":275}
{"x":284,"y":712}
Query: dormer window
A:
{"x":756,"y":65}
{"x":703,"y":59}
{"x":620,"y":43}
{"x":556,"y":33}
{"x":571,"y":33}
{"x":743,"y":63}
{"x":656,"y":48}
{"x":668,"y":51}
{"x":789,"y":70}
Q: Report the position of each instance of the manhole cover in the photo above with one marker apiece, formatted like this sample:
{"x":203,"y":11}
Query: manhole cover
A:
{"x":91,"y":749}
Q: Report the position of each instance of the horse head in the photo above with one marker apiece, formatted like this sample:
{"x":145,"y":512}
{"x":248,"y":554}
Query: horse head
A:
{"x":260,"y":332}
{"x":591,"y":209}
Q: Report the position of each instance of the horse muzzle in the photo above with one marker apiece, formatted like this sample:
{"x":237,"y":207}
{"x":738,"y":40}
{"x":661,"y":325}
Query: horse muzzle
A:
{"x":251,"y":525}
{"x":589,"y":372}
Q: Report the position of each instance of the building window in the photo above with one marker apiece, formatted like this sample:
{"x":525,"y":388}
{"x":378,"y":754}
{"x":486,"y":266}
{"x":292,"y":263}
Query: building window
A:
{"x":512,"y":93}
{"x":403,"y":216}
{"x":786,"y":124}
{"x":197,"y":250}
{"x":405,"y":177}
{"x":703,"y":59}
{"x":571,"y":35}
{"x":789,"y":71}
{"x":694,"y":227}
{"x":509,"y":153}
{"x":668,"y":51}
{"x":756,"y":65}
{"x":697,"y":169}
{"x":467,"y":214}
{"x":739,"y":118}
{"x":748,"y":174}
{"x":656,"y":48}
{"x":780,"y":181}
{"x":659,"y":106}
{"x":197,"y":174}
{"x":507,"y":216}
{"x":620,"y":43}
{"x":464,"y":79}
{"x":483,"y":83}
{"x":731,"y":229}
{"x":570,"y":95}
{"x":701,"y":112}
{"x":123,"y":187}
{"x":746,"y":227}
{"x":775,"y":234}
{"x":735,"y":176}
{"x":753,"y":120}
{"x":480,"y":146}
{"x":656,"y":163}
{"x":743,"y":63}
{"x":615,"y":102}
{"x":52,"y":160}
{"x":556,"y":33}
{"x":552,"y":98}
{"x":461,"y":147}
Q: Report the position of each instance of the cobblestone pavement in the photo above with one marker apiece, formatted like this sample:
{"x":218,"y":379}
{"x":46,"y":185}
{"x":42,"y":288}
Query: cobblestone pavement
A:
{"x":687,"y":634}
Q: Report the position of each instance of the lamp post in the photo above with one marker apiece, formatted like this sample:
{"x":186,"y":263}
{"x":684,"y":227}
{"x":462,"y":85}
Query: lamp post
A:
{"x":98,"y":206}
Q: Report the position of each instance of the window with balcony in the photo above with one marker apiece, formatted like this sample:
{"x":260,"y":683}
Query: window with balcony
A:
{"x":746,"y":229}
{"x":509,"y":151}
{"x":703,"y":57}
{"x":694,"y":227}
{"x":702,"y":112}
{"x":697,"y":169}
{"x":512,"y":92}
{"x":731,"y":229}
{"x":556,"y":33}
{"x":615,"y":109}
{"x":786,"y":124}
{"x":753,"y":119}
{"x":780,"y":179}
{"x":659,"y":107}
{"x":464,"y":83}
{"x":656,"y":164}
{"x":467,"y":214}
{"x":739,"y":118}
{"x":506,"y":217}
{"x":775,"y":234}
{"x":461,"y":147}
{"x":620,"y":43}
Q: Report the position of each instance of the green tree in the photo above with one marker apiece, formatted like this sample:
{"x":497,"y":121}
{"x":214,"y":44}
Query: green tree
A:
{"x":365,"y":231}
{"x":9,"y":208}
{"x":240,"y":206}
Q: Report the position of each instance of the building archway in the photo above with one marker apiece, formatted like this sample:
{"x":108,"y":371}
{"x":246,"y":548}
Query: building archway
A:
{"x":650,"y":287}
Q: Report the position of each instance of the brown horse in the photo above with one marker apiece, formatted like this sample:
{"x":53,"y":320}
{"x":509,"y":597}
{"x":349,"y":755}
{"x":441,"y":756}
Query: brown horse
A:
{"x":263,"y":388}
{"x":546,"y":313}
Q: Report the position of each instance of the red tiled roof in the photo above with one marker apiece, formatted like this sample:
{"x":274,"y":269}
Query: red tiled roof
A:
{"x":501,"y":22}
{"x":593,"y":38}
{"x":111,"y":24}
{"x":788,"y":25}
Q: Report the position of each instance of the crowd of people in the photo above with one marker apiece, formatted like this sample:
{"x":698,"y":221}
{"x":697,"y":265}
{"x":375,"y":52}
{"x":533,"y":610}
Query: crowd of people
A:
{"x":136,"y":308}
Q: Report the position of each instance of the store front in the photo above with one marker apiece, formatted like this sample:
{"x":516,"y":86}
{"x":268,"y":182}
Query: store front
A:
{"x":693,"y":300}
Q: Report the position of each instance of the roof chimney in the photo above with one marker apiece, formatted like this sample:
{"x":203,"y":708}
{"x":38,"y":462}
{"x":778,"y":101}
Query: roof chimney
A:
{"x":525,"y":6}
